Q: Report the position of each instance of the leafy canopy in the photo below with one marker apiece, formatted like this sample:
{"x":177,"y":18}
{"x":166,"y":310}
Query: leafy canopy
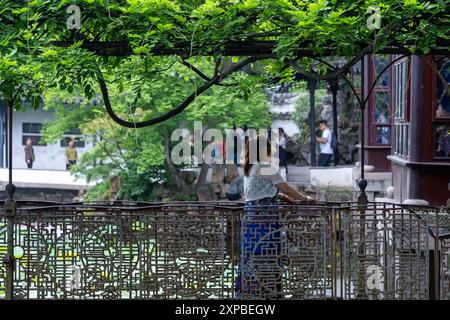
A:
{"x":30,"y":60}
{"x":138,"y":157}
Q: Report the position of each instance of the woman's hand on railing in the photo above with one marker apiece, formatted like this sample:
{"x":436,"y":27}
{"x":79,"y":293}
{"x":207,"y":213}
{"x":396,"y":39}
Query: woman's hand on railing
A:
{"x":284,"y":198}
{"x":309,"y":199}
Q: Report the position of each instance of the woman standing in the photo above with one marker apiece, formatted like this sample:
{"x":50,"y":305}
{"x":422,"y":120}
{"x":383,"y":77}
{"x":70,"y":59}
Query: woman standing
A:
{"x":259,"y":272}
{"x":71,"y":154}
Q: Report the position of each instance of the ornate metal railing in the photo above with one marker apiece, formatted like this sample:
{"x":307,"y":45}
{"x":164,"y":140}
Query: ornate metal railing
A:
{"x":221,"y":250}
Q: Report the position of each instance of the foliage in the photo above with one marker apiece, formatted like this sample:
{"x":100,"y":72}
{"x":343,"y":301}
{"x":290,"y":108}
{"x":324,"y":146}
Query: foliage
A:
{"x":28,"y":54}
{"x":40,"y":55}
{"x":137,"y":156}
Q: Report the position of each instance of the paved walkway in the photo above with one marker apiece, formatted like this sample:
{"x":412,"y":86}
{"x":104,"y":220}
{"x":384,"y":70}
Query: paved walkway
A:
{"x":57,"y":179}
{"x":51,"y":179}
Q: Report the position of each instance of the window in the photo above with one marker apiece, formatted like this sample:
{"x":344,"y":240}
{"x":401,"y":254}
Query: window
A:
{"x":79,"y":142}
{"x":379,"y":63}
{"x":379,"y":103}
{"x":441,"y":110}
{"x":442,"y":105}
{"x":33,"y":132}
{"x":74,"y":131}
{"x":400,"y":105}
{"x":442,"y":141}
{"x":75,"y":134}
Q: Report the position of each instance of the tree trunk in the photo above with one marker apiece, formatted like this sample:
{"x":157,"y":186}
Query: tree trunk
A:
{"x":201,"y":181}
{"x":174,"y":174}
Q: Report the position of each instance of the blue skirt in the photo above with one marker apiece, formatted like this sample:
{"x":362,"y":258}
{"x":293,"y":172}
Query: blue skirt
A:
{"x":260,"y":270}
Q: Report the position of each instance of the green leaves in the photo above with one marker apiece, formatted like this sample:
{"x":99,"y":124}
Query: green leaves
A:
{"x":138,"y":156}
{"x":146,"y":85}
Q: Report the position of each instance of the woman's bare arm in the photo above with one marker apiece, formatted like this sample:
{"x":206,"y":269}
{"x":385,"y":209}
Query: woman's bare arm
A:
{"x":292,"y":193}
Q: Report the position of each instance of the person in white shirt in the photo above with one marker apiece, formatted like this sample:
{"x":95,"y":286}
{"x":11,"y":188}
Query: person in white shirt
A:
{"x":326,"y":152}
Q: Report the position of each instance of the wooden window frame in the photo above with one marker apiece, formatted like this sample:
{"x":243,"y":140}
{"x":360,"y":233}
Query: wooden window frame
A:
{"x":401,"y":137}
{"x":372,"y":101}
{"x":436,"y":121}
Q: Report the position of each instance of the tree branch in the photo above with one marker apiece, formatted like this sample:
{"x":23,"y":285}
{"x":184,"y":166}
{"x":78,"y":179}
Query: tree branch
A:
{"x":175,"y":111}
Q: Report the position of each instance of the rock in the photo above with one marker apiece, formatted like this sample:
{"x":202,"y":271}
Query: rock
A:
{"x":298,"y":150}
{"x":206,"y":193}
{"x":232,"y":173}
{"x":327,"y":111}
{"x":218,"y":173}
{"x":299,"y":145}
{"x":390,"y":192}
{"x":216,"y":188}
{"x":223,"y":191}
{"x":417,"y":202}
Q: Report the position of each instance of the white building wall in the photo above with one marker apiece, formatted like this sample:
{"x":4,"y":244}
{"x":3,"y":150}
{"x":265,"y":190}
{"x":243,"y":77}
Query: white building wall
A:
{"x":49,"y":157}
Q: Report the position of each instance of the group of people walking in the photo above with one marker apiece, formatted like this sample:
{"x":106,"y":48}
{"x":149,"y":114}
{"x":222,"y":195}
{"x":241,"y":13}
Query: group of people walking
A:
{"x":70,"y":154}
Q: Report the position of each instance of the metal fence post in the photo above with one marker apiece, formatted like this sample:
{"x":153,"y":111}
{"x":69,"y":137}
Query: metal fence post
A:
{"x":362,"y":198}
{"x":362,"y":206}
{"x":437,"y":260}
{"x":10,"y":212}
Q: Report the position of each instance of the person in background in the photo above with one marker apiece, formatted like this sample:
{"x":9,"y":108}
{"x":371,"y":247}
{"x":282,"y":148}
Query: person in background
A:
{"x":283,"y":153}
{"x":71,"y":154}
{"x":29,"y":153}
{"x":326,"y":152}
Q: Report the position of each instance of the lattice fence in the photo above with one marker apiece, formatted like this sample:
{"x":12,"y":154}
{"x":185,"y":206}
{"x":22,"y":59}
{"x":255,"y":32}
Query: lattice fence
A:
{"x":216,"y":251}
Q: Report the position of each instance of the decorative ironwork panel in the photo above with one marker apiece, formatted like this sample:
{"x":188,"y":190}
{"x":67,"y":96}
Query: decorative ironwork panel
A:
{"x":190,"y":257}
{"x":285,"y":253}
{"x":220,"y":251}
{"x":111,"y":253}
{"x":445,"y":269}
{"x":3,"y":251}
{"x":385,"y":254}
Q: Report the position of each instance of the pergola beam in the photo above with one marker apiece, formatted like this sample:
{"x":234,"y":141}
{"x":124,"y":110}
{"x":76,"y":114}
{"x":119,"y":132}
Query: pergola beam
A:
{"x":241,"y":48}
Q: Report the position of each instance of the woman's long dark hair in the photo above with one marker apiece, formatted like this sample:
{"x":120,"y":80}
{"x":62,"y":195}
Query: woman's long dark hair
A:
{"x":258,"y":140}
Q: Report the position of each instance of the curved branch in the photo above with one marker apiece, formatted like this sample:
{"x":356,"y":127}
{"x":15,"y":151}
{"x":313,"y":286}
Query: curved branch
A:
{"x":318,"y":78}
{"x":175,"y":111}
{"x":342,"y":75}
{"x":367,"y":50}
{"x":202,"y":75}
{"x":434,"y":68}
{"x":437,"y":72}
{"x":336,"y":72}
{"x":197,"y":71}
{"x":372,"y":87}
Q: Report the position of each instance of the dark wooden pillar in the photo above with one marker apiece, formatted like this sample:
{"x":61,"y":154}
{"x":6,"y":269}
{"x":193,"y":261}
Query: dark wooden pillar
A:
{"x":416,"y":129}
{"x":334,"y":87}
{"x":312,"y":118}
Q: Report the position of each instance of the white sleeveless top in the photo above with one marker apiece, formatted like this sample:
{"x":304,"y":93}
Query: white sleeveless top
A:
{"x":261,"y":182}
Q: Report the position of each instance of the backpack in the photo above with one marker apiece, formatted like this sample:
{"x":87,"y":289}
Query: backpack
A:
{"x":333,"y":142}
